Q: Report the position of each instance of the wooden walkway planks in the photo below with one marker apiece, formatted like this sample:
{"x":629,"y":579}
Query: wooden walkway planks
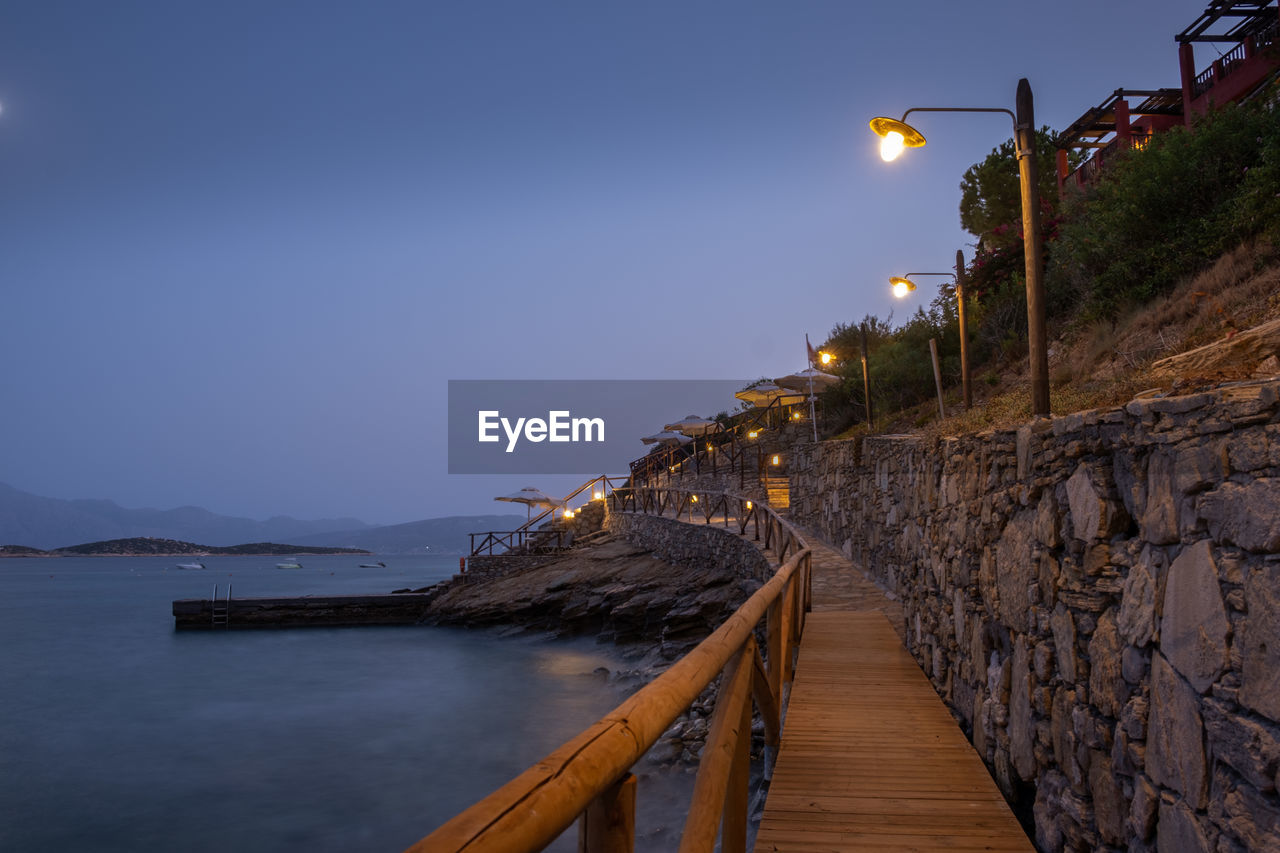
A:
{"x":870,"y":758}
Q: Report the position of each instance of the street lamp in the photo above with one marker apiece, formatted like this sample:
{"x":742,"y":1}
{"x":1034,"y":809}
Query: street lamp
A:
{"x":904,"y":285}
{"x":896,"y":135}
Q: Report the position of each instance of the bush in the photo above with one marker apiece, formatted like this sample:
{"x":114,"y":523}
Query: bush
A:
{"x":1165,"y":212}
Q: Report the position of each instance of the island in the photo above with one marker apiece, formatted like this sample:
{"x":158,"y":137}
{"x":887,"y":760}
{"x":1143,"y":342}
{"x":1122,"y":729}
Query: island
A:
{"x":147,"y":546}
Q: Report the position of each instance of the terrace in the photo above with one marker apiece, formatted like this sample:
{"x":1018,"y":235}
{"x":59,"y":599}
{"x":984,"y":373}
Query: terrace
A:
{"x":1252,"y":29}
{"x":1114,"y":126}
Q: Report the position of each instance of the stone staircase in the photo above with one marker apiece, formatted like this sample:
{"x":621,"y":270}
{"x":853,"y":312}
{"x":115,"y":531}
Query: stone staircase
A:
{"x":778,"y":490}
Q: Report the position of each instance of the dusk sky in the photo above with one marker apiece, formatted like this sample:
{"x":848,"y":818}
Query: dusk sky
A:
{"x":245,"y":245}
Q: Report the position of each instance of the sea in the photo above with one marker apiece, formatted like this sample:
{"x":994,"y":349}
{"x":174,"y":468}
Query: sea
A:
{"x":118,"y":733}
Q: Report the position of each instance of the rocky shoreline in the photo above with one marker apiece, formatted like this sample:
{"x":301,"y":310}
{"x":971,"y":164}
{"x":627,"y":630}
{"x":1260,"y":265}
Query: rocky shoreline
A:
{"x":651,"y":610}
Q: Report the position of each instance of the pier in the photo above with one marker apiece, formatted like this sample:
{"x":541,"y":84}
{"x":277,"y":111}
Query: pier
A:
{"x":321,"y":611}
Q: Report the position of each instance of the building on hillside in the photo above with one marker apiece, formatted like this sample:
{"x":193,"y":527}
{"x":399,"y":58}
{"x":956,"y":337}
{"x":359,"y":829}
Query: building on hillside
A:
{"x":1252,"y":29}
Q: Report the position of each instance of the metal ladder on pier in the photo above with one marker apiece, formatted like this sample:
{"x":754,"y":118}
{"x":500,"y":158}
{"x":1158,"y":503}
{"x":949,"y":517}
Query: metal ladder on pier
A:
{"x":221,"y":609}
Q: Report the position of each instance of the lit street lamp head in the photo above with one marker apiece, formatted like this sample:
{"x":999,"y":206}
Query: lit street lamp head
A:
{"x":894,"y":136}
{"x":902,"y":286}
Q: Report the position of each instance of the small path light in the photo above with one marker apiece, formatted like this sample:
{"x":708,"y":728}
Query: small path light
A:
{"x":902,"y":286}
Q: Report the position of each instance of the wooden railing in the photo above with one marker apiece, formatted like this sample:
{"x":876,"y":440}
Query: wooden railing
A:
{"x":730,"y":449}
{"x":527,"y":534}
{"x":589,"y":779}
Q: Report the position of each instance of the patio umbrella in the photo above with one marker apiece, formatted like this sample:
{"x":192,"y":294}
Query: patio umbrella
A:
{"x":809,"y":379}
{"x":765,"y":393}
{"x":666,"y":437}
{"x":694,"y":426}
{"x":531,"y":497}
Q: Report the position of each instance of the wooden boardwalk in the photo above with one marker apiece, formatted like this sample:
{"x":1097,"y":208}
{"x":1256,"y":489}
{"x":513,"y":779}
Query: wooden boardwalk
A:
{"x":870,"y":757}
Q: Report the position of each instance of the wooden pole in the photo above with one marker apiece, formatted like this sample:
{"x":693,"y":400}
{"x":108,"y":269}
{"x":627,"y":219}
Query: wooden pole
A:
{"x":866,"y":380}
{"x":937,"y":375}
{"x":964,"y":332}
{"x":609,"y":823}
{"x":1033,"y":249}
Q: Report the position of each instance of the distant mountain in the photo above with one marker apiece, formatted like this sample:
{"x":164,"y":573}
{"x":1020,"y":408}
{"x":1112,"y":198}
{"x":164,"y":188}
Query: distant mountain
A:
{"x":433,"y":536}
{"x":48,"y":523}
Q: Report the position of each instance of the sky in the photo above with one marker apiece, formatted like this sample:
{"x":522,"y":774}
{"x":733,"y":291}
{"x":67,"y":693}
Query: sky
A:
{"x":244,"y":246}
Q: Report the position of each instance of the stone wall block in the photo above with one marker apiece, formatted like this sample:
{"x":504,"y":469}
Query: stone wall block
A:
{"x":1247,"y":815}
{"x":1021,"y":734}
{"x":1107,"y":687}
{"x":1136,"y":620}
{"x":1016,"y":572}
{"x":1064,"y":642}
{"x":1259,"y":642}
{"x":1109,"y":807}
{"x":1175,"y":735}
{"x":1142,"y":809}
{"x":1159,"y":519}
{"x":1087,"y":508}
{"x":1048,"y":526}
{"x":1200,"y":467}
{"x":1178,"y":831}
{"x":1244,"y":515}
{"x":1194,"y":627}
{"x":1251,"y":748}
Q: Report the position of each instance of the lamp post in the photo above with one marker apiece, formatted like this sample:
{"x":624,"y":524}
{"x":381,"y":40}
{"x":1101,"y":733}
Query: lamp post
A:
{"x":896,"y":135}
{"x":904,"y":285}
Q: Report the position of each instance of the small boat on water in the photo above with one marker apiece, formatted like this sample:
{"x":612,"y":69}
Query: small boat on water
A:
{"x":191,"y":565}
{"x":290,"y":563}
{"x":377,"y":565}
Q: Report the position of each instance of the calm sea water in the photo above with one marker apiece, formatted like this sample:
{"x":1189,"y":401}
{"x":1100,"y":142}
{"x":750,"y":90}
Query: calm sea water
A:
{"x":119,"y":734}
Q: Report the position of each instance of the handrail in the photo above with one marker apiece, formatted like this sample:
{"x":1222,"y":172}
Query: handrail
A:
{"x":589,"y":775}
{"x":511,"y":539}
{"x":740,"y":427}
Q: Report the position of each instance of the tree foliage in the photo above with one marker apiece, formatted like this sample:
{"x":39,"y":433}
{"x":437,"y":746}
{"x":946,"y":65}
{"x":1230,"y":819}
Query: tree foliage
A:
{"x":991,"y":191}
{"x":1168,"y":211}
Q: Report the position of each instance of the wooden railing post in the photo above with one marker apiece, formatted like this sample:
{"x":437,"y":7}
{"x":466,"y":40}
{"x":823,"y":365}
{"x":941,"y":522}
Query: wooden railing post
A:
{"x":609,"y":823}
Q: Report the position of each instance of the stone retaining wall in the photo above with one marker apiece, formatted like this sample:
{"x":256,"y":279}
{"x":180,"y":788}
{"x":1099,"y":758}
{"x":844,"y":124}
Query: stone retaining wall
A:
{"x":686,"y":544}
{"x":1097,"y":598}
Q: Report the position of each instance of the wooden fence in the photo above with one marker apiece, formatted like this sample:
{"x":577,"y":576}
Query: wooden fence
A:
{"x":589,"y":778}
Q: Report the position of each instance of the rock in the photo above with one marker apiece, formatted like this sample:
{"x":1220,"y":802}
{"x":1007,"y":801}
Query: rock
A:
{"x":1142,"y":809}
{"x":1109,"y":807}
{"x":1048,"y":520}
{"x":1193,"y":629}
{"x":1259,"y":643}
{"x":1020,"y":730}
{"x":1107,"y":687}
{"x":1133,"y":665}
{"x":1179,"y":831}
{"x":1251,"y":748}
{"x":1267,"y":368}
{"x":1016,"y":572}
{"x":1136,"y":620}
{"x":1087,"y":508}
{"x":1175,"y":735}
{"x":1252,"y":817}
{"x":1159,"y":521}
{"x":1050,"y":791}
{"x":1248,"y":516}
{"x":1064,"y":641}
{"x":1199,"y":467}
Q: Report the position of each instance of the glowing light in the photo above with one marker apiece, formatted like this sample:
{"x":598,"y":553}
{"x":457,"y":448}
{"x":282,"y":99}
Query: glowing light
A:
{"x":752,"y":434}
{"x":795,"y":416}
{"x":694,"y":498}
{"x":597,"y":496}
{"x":825,"y":357}
{"x":776,"y":460}
{"x":748,"y":504}
{"x":902,"y":286}
{"x":891,"y":145}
